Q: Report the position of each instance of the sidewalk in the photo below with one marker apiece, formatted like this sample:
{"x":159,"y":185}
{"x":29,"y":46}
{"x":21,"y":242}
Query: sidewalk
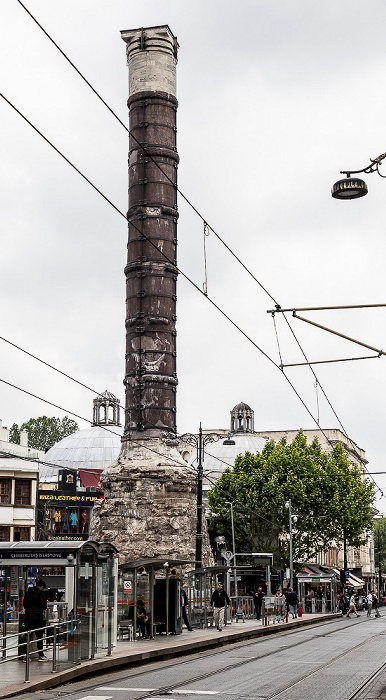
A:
{"x":141,"y":651}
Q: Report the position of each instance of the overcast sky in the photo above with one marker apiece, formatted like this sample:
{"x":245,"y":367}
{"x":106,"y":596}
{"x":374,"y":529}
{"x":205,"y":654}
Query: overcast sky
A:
{"x":275,"y":98}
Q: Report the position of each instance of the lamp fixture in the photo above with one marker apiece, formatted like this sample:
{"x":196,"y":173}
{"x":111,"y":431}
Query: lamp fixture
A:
{"x":354,"y":187}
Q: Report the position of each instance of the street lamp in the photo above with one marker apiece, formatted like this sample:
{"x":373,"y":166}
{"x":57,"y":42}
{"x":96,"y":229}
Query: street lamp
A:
{"x":230,"y":503}
{"x":294,"y":518}
{"x":354,"y":187}
{"x":199,"y":442}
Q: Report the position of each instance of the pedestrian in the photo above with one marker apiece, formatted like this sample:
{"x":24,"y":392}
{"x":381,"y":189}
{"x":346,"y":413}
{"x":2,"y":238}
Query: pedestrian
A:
{"x":292,"y":602}
{"x":35,"y":604}
{"x":258,"y":601}
{"x":352,"y":607}
{"x":143,"y":620}
{"x":369,"y":603}
{"x":218,"y":602}
{"x":184,"y":606}
{"x":375,"y":605}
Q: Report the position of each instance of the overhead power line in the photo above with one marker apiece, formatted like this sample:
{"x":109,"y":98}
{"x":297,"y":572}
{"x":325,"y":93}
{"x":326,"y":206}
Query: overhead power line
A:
{"x":81,"y":75}
{"x":172,"y":263}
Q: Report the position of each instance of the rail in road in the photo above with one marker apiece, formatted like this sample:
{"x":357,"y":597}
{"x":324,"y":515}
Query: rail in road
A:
{"x":339,"y":659}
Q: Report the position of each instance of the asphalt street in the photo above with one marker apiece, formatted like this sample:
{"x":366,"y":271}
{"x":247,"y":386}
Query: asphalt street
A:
{"x":334,"y":660}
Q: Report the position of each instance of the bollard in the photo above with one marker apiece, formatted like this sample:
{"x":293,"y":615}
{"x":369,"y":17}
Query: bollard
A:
{"x":266,"y":619}
{"x":26,"y":679}
{"x":54,"y":665}
{"x":109,"y":640}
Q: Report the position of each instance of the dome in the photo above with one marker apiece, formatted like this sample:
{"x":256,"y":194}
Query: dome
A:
{"x":96,"y":447}
{"x":222,"y":454}
{"x":240,"y":407}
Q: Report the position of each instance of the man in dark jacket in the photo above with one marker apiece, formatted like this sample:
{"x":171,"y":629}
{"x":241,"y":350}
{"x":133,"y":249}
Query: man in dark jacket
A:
{"x":219,"y":601}
{"x":34,"y":605}
{"x":292,"y":602}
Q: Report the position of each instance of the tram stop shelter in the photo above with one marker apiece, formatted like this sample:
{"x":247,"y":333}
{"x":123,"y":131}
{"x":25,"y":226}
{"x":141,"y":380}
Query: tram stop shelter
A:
{"x":317,"y":592}
{"x":158,"y":583}
{"x":201,"y":584}
{"x":84,"y":574}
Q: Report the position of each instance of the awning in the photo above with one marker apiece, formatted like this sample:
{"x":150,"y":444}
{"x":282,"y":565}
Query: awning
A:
{"x":355,"y":582}
{"x":91,"y":479}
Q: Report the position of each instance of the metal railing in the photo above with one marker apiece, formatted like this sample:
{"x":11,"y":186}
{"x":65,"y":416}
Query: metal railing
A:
{"x":64,"y":636}
{"x":242,"y":607}
{"x":274,"y":610}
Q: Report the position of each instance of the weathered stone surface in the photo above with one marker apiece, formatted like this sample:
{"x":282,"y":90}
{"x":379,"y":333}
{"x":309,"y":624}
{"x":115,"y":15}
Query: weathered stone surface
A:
{"x":149,"y":506}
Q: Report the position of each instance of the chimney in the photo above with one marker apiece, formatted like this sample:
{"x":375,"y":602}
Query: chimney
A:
{"x":151,"y":276}
{"x":24,"y":438}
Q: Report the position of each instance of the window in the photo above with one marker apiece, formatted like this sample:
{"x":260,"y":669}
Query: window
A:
{"x":21,"y":534}
{"x":23,"y":492}
{"x":4,"y":533}
{"x":5,"y":490}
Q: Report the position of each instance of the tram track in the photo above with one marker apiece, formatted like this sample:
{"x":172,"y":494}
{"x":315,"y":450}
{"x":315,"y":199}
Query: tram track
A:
{"x":168,"y":689}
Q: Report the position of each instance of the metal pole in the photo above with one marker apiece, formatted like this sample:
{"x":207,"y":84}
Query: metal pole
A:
{"x":199,"y":501}
{"x":290,"y":532}
{"x":54,"y":666}
{"x":234,"y":552}
{"x":26,"y":679}
{"x":4,"y":650}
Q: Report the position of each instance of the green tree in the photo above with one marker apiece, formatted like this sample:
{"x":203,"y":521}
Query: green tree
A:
{"x":329,"y":498}
{"x":44,"y":432}
{"x":380,"y":544}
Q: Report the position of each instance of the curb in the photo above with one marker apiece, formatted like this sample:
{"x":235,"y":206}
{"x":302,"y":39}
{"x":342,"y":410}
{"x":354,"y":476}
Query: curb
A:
{"x":129,"y":659}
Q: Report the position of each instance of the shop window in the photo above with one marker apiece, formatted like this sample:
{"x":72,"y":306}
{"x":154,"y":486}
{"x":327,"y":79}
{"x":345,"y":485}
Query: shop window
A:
{"x":5,"y":490}
{"x":23,"y":492}
{"x":21,"y":534}
{"x":4,"y":533}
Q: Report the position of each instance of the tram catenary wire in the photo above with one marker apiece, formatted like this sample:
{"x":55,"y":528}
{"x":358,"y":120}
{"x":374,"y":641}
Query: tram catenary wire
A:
{"x":201,"y":216}
{"x":165,"y":690}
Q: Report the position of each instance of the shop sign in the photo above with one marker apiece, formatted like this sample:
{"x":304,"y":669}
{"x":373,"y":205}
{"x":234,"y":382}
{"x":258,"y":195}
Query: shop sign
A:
{"x":72,"y":499}
{"x":14,"y":581}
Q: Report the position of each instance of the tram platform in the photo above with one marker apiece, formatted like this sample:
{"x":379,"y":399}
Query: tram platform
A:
{"x":141,"y":651}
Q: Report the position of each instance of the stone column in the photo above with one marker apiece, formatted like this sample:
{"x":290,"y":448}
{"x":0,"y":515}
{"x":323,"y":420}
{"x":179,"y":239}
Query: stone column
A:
{"x":150,"y":495}
{"x":151,"y":274}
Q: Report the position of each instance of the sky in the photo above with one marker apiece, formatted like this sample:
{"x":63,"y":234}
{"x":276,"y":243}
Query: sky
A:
{"x":274,"y":100}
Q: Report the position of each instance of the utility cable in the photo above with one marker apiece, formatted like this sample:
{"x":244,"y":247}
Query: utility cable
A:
{"x":167,"y":177}
{"x":170,"y":261}
{"x":164,"y":173}
{"x":47,"y":364}
{"x":175,"y":186}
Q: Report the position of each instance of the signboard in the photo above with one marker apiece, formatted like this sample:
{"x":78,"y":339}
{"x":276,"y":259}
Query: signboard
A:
{"x":33,"y":557}
{"x":14,"y":581}
{"x":262,"y":558}
{"x":57,"y":497}
{"x":127,"y":586}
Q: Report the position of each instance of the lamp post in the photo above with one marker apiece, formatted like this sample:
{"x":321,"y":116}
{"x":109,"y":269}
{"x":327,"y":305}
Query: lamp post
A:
{"x":294,"y":518}
{"x":230,"y":503}
{"x":354,"y":187}
{"x":199,"y":441}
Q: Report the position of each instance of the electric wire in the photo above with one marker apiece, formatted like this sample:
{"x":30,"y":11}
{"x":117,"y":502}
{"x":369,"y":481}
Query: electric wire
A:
{"x":170,"y":180}
{"x":145,"y":151}
{"x":176,"y":267}
{"x":47,"y":364}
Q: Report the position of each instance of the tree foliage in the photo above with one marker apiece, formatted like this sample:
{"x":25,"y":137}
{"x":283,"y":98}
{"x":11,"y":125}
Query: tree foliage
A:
{"x":328,"y":497}
{"x":44,"y":432}
{"x":380,"y":543}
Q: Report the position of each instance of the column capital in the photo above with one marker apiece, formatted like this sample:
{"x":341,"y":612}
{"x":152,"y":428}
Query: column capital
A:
{"x":151,"y":58}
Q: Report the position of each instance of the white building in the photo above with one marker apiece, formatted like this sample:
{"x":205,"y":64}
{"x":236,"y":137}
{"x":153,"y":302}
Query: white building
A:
{"x":18,"y":488}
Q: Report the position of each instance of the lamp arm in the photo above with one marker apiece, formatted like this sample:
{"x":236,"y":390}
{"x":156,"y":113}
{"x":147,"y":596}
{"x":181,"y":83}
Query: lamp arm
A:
{"x":373,"y":167}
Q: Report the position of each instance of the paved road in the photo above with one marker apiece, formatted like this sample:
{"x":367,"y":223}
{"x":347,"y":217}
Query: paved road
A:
{"x":331,"y":660}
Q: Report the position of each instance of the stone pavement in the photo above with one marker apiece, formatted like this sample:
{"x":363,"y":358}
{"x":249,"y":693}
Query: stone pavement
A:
{"x":138,"y":652}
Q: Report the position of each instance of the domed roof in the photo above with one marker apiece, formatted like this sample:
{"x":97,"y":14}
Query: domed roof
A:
{"x":240,"y":407}
{"x":222,"y":454}
{"x":95,"y":447}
